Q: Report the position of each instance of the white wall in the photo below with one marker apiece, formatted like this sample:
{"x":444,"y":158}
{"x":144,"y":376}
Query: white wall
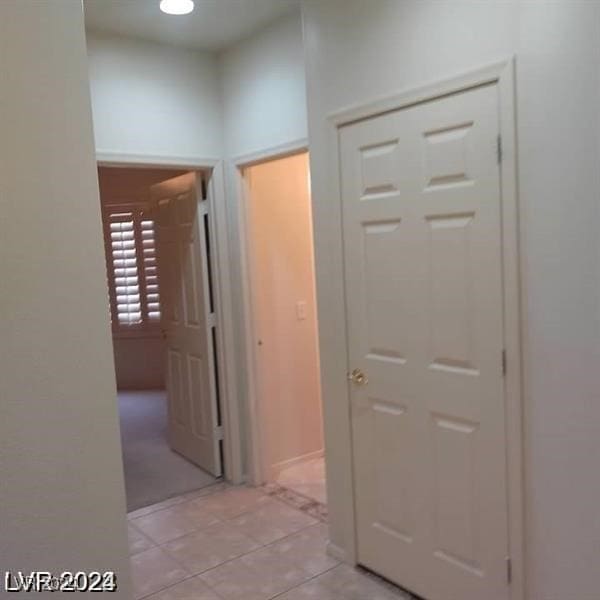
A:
{"x":263,"y":88}
{"x":559,"y":144}
{"x":61,"y":493}
{"x":156,"y":99}
{"x":153,"y":99}
{"x":264,"y":106}
{"x":357,"y":51}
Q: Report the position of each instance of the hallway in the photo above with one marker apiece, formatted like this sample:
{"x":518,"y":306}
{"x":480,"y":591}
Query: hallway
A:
{"x":237,"y":543}
{"x":153,"y":472}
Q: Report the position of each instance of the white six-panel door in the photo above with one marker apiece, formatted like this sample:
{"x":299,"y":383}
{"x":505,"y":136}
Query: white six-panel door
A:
{"x":187,"y":318}
{"x":422,"y":251}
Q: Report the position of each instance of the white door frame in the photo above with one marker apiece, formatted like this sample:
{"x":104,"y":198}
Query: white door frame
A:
{"x":232,"y":448}
{"x":256,"y":467}
{"x":332,"y":317}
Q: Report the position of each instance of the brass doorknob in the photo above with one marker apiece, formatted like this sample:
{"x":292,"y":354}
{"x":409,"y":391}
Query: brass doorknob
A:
{"x":358,"y":377}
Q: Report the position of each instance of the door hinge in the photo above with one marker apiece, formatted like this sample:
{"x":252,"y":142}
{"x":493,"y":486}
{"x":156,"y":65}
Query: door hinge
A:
{"x":503,"y":362}
{"x":219,"y":432}
{"x":499,"y":149}
{"x":508,"y":570}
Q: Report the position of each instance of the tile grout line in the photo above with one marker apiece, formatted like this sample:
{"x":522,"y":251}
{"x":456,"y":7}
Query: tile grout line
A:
{"x":312,"y":578}
{"x":229,"y":560}
{"x":230,"y":488}
{"x":192,"y":531}
{"x":192,"y":499}
{"x":220,"y":521}
{"x":168,"y":587}
{"x":261,"y":546}
{"x":165,"y":588}
{"x":173,"y":503}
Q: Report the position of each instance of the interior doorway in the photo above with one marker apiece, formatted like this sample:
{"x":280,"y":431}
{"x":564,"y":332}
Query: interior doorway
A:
{"x":157,"y":243}
{"x":282,"y":326}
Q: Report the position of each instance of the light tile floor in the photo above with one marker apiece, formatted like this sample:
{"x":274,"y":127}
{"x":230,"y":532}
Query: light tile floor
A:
{"x":306,"y":478}
{"x":238,"y":543}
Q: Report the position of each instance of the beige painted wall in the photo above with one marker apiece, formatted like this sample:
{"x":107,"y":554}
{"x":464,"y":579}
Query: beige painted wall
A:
{"x":140,"y":360}
{"x":282,"y":274}
{"x":62,"y":499}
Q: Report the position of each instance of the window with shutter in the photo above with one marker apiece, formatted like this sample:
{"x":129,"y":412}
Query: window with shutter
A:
{"x":150,"y":269}
{"x":132,"y":268}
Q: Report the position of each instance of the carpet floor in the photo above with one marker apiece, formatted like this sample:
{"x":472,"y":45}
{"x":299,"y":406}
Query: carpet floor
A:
{"x":153,"y":472}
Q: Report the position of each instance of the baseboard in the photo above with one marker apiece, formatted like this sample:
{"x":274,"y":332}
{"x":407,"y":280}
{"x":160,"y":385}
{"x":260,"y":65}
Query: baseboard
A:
{"x":274,"y":470}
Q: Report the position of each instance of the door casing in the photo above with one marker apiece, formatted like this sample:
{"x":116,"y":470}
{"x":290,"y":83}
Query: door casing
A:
{"x":254,"y":413}
{"x":332,"y":318}
{"x":214,"y":170}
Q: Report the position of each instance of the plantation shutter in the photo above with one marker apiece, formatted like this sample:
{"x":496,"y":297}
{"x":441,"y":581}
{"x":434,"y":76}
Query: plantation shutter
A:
{"x":131,"y":267}
{"x":150,"y":269}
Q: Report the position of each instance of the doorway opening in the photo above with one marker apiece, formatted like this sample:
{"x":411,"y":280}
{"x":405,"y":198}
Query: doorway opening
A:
{"x":159,"y":273}
{"x":282,"y":335}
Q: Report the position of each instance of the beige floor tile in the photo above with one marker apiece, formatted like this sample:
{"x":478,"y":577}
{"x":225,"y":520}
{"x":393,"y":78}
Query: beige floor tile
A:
{"x":272,"y":521}
{"x":306,"y":478}
{"x":236,"y":581}
{"x":273,"y":569}
{"x":232,"y":502}
{"x":190,"y":589}
{"x":308,"y":550}
{"x":220,"y":486}
{"x":170,"y":523}
{"x":353,"y":584}
{"x":196,"y":513}
{"x":259,"y":575}
{"x":141,"y":512}
{"x":138,"y":542}
{"x":316,"y":491}
{"x":312,"y":590}
{"x":154,"y":570}
{"x":210,"y":547}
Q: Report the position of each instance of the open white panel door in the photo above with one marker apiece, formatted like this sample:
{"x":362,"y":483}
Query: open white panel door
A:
{"x":188,"y":319}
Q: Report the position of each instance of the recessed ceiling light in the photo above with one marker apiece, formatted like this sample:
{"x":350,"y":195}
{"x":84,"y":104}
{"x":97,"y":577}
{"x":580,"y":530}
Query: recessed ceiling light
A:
{"x":177,"y":7}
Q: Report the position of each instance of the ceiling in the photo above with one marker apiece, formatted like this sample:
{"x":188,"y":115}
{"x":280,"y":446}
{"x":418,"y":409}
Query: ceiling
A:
{"x":213,"y":25}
